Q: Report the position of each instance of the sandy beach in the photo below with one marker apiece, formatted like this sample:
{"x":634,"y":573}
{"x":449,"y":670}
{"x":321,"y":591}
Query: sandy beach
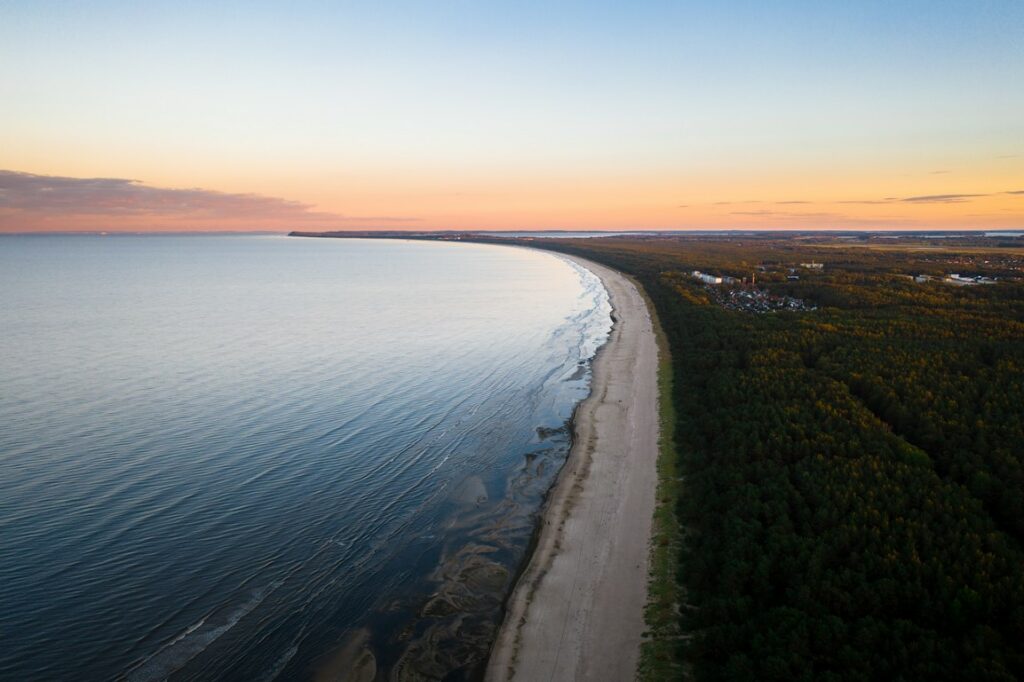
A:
{"x":577,"y":611}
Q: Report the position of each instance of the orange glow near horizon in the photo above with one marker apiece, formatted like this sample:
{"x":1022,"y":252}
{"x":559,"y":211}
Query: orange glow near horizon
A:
{"x":794,"y":200}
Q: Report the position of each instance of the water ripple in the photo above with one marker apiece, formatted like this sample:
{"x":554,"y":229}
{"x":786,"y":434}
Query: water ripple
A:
{"x":220,"y":453}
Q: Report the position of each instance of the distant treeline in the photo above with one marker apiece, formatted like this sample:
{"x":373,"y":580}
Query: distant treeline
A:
{"x":853,"y":495}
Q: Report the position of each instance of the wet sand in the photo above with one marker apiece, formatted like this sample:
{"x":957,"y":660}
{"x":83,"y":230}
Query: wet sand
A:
{"x":577,"y":610}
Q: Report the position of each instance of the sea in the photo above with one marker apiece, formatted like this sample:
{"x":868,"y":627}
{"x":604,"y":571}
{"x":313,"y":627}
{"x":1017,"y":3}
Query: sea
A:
{"x":259,"y":457}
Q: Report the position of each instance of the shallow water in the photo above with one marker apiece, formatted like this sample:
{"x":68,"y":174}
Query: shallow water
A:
{"x":224,"y":455}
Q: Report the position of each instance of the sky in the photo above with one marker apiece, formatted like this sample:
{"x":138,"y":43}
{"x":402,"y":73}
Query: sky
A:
{"x":789,"y":114}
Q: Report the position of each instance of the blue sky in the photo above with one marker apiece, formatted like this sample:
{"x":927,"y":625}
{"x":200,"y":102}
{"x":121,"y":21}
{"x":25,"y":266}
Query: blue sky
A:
{"x":369,"y":109}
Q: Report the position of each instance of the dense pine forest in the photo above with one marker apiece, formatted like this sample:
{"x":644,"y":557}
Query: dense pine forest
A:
{"x":851,"y":447}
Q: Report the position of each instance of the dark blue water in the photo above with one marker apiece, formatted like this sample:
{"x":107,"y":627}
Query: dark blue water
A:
{"x":224,"y":457}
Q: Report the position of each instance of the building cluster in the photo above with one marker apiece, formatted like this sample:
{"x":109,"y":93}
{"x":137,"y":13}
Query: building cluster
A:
{"x":956,"y":279}
{"x":1006,"y":265}
{"x":757,"y":301}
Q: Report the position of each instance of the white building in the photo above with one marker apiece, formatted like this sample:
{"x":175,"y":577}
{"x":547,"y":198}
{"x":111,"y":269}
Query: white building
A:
{"x":964,"y":280}
{"x":707,"y":279}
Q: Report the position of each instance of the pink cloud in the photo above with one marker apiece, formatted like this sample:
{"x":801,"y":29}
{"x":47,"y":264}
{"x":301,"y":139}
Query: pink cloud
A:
{"x":32,"y":202}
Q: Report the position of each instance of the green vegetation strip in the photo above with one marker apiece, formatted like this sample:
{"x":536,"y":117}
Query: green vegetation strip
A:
{"x":660,"y":654}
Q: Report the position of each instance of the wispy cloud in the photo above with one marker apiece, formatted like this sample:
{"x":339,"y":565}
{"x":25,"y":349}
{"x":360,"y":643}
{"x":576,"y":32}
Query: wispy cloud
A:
{"x":26,"y":196}
{"x":787,"y":214}
{"x":922,"y":199}
{"x":929,"y":198}
{"x":919,"y":199}
{"x":819,"y":219}
{"x":940,"y":198}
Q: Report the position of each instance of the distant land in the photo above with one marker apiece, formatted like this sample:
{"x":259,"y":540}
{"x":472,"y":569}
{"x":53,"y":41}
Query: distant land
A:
{"x":654,"y":233}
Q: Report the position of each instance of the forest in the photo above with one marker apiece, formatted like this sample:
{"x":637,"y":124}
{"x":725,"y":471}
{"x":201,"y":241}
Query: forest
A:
{"x":851,"y":498}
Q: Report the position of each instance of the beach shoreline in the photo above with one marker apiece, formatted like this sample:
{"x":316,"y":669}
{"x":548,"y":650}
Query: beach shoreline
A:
{"x":576,"y":611}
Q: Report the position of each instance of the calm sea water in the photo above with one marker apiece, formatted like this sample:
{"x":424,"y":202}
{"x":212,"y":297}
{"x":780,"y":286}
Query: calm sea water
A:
{"x":223,"y":456}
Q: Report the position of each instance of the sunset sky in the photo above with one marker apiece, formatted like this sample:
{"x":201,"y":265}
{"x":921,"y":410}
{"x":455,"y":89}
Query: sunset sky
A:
{"x":517,"y":115}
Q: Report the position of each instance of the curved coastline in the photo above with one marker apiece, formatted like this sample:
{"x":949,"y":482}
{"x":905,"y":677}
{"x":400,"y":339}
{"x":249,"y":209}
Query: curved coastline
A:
{"x":576,"y":611}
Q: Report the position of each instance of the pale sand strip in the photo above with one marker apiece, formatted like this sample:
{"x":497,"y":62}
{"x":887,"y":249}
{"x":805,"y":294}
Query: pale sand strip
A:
{"x":577,"y":611}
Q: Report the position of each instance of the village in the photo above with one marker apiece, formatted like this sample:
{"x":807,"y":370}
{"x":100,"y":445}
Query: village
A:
{"x":747,"y":297}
